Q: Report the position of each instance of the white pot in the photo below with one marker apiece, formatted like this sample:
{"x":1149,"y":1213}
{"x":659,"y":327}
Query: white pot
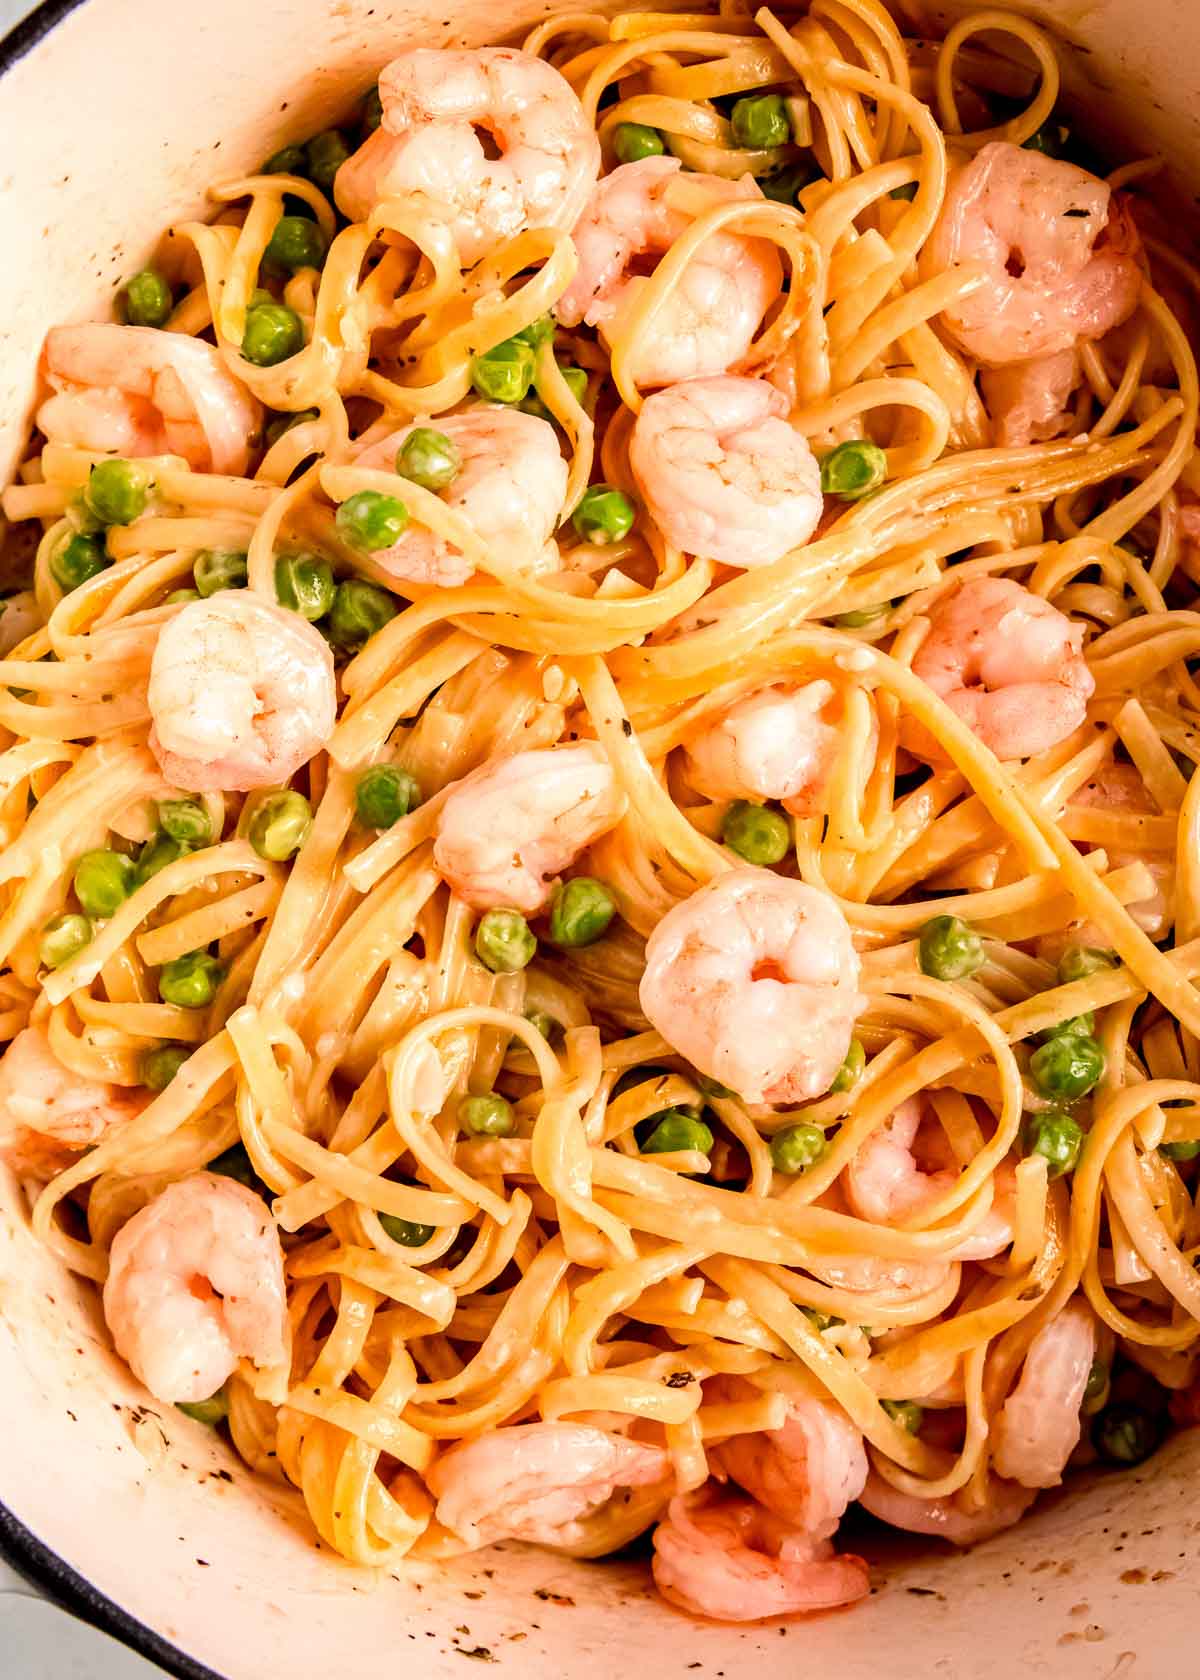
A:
{"x":114,"y":115}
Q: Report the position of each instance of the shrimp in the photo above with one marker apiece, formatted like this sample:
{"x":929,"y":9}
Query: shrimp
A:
{"x":537,"y":1481}
{"x":733,"y":1561}
{"x":1039,"y":1424}
{"x":195,"y":1282}
{"x":1005,"y":1504}
{"x":48,"y":1113}
{"x":1027,"y":400}
{"x":1119,"y":787}
{"x":777,"y":743}
{"x":1032,"y":224}
{"x":242,"y":693}
{"x":141,"y":391}
{"x":508,"y":829}
{"x":709,"y":321}
{"x":19,"y":618}
{"x":511,"y":489}
{"x":1008,"y":663}
{"x":805,"y":1473}
{"x":723,"y":474}
{"x":427,"y":146}
{"x":754,"y":979}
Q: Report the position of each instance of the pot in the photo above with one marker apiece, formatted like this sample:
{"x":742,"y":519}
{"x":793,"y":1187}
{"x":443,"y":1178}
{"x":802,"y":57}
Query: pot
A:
{"x":116,"y":114}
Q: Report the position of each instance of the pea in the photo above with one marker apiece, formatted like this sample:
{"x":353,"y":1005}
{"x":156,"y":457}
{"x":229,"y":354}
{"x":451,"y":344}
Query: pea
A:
{"x":325,"y":154}
{"x":190,"y":982}
{"x":862,"y":616}
{"x":504,"y":941}
{"x":676,"y":1130}
{"x":148,"y":300}
{"x":1078,"y":1026}
{"x":279,"y":825}
{"x":284,"y":422}
{"x":1067,"y":1067}
{"x":853,"y":470}
{"x":371,"y":521}
{"x":359,"y":610}
{"x":1049,"y":139}
{"x":504,"y":373}
{"x":760,"y":122}
{"x":757,"y":833}
{"x":907,"y":192}
{"x":1123,"y":1433}
{"x":784,"y":186}
{"x":78,"y":559}
{"x":581,"y":911}
{"x":536,"y":333}
{"x":577,"y":384}
{"x":948,"y":949}
{"x":214,"y":569}
{"x":407,"y":1232}
{"x":272,"y":333}
{"x":181,"y":597}
{"x":797,"y":1147}
{"x":63,"y":937}
{"x":488,"y":1116}
{"x":288,"y":160}
{"x":633,"y":141}
{"x":821,"y":1320}
{"x":185,"y":820}
{"x":541,"y":1022}
{"x":370,"y":112}
{"x":1079,"y":961}
{"x":1058,"y":1137}
{"x":236,"y":1164}
{"x":296,"y":242}
{"x":384,"y":794}
{"x":103,"y":881}
{"x":604,"y":515}
{"x":304,"y":584}
{"x":1186,"y":1149}
{"x":156,"y":854}
{"x":160,"y":1065}
{"x":117,"y":491}
{"x":212,"y":1411}
{"x":429,"y":458}
{"x":906,"y":1413}
{"x":851,"y":1070}
{"x":1097,"y":1381}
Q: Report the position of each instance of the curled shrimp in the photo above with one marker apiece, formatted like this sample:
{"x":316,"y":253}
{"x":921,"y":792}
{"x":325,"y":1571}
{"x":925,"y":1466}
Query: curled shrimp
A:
{"x":19,"y":618}
{"x":48,"y":1113}
{"x":507,"y":830}
{"x":1027,"y":401}
{"x":709,"y":322}
{"x":142,"y":391}
{"x":732,"y":1561}
{"x":1039,"y":1424}
{"x":537,"y":1481}
{"x":195,"y":1283}
{"x":949,"y":1518}
{"x":427,"y":145}
{"x":806,"y":1472}
{"x":723,"y":474}
{"x":1119,"y":788}
{"x":1032,"y":224}
{"x":510,"y":488}
{"x":1008,"y":663}
{"x":754,"y":979}
{"x":242,"y":693}
{"x":777,"y":743}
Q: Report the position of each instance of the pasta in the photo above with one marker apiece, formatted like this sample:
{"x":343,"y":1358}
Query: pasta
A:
{"x":599,"y":906}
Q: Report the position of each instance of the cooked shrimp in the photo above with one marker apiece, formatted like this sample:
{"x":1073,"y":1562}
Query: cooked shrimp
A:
{"x":511,"y":489}
{"x":1027,"y":401}
{"x":723,"y":474}
{"x":537,"y":1481}
{"x":1119,"y":787}
{"x":1039,"y":1424}
{"x":47,"y":1112}
{"x":195,"y":1283}
{"x":19,"y":617}
{"x":1008,"y":663}
{"x":709,"y":322}
{"x":733,"y":1561}
{"x":508,"y":829}
{"x":1005,"y":1504}
{"x":427,"y":146}
{"x":754,"y":979}
{"x":883,"y":1183}
{"x":806,"y":1472}
{"x":1033,"y":225}
{"x":778,"y":743}
{"x":242,"y":693}
{"x":141,"y":391}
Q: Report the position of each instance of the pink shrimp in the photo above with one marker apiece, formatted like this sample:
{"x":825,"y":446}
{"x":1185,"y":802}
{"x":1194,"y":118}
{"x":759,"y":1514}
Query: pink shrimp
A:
{"x":1027,"y":401}
{"x":48,"y":1113}
{"x":1005,"y":1504}
{"x":806,"y":1472}
{"x":1008,"y":663}
{"x":1039,"y":1424}
{"x":537,"y":1481}
{"x":776,"y":743}
{"x":732,"y":1561}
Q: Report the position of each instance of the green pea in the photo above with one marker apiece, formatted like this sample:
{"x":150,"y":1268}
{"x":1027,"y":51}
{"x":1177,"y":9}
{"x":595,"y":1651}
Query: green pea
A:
{"x":504,"y":941}
{"x":488,"y":1116}
{"x":633,"y":141}
{"x":77,"y":560}
{"x":260,"y":297}
{"x":948,"y":949}
{"x":180,"y":597}
{"x":297,"y":242}
{"x":1097,"y":1381}
{"x":676,"y":1130}
{"x":604,"y":515}
{"x":757,"y":833}
{"x":429,"y":458}
{"x":406,"y":1231}
{"x":862,"y":616}
{"x":536,"y":333}
{"x":371,"y":521}
{"x":63,"y":937}
{"x":1049,"y":139}
{"x":760,"y":121}
{"x":325,"y":154}
{"x":821,"y":1320}
{"x":288,"y":160}
{"x":714,"y":1088}
{"x":541,"y":1022}
{"x":284,"y":422}
{"x":784,"y":186}
{"x":190,"y":982}
{"x":797,"y":1147}
{"x":581,"y":911}
{"x":853,"y":469}
{"x":851,"y":1070}
{"x":82,"y":517}
{"x":304,"y":584}
{"x":159,"y":1066}
{"x":117,"y":491}
{"x":1067,"y":1067}
{"x":384,"y":794}
{"x":1075,"y":1025}
{"x":279,"y":825}
{"x":156,"y":854}
{"x":907,"y":192}
{"x":148,"y":300}
{"x":103,"y":881}
{"x":272,"y":333}
{"x":1186,"y":1149}
{"x":236,"y":1164}
{"x":214,"y":569}
{"x":906,"y":1413}
{"x":577,"y":383}
{"x":1123,"y":1433}
{"x":186,"y":820}
{"x":504,"y":373}
{"x":212,"y":1411}
{"x":359,"y":610}
{"x":1079,"y":961}
{"x":370,"y":112}
{"x":1056,"y":1136}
